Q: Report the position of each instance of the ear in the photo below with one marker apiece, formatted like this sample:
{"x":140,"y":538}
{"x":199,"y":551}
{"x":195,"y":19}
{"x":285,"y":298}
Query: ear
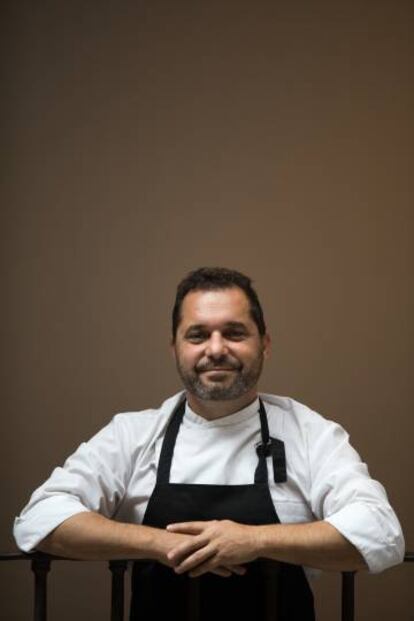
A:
{"x":266,"y":342}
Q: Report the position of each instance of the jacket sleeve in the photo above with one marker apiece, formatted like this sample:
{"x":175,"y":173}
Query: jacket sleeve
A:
{"x":94,"y":478}
{"x":344,"y":494}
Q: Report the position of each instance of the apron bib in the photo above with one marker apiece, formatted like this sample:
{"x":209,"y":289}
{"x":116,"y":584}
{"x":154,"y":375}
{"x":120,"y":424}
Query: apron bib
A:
{"x":268,"y":589}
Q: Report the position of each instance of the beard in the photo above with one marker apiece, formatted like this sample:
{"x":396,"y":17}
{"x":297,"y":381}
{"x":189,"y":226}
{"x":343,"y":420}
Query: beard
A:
{"x":233,"y":385}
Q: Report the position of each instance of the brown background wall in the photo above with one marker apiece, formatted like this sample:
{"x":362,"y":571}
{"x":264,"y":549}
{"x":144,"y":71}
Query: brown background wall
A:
{"x":143,"y":139}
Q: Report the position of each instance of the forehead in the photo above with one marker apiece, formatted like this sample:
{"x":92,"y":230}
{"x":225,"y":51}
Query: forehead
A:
{"x":215,"y":307}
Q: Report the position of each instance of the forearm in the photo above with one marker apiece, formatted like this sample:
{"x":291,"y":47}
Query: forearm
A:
{"x":315,"y":544}
{"x":90,"y":536}
{"x":223,"y":542}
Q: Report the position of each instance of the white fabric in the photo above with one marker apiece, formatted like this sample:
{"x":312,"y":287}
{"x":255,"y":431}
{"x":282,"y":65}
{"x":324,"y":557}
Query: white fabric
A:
{"x":114,"y":474}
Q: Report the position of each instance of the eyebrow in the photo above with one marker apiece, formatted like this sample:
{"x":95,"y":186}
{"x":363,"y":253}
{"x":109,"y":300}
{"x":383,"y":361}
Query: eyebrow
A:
{"x":230,"y":324}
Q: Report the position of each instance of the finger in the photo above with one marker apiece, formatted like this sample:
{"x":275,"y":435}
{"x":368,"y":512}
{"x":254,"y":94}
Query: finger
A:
{"x":208,"y":567}
{"x":183,"y":550}
{"x":197,"y":558}
{"x":236,"y":569}
{"x":191,"y":528}
{"x":223,"y":572}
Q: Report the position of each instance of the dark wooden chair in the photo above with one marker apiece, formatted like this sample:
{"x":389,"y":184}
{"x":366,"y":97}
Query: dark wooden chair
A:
{"x":41,"y":565}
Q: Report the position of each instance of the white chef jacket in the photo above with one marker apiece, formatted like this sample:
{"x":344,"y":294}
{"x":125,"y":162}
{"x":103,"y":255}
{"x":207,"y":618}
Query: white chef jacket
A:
{"x":114,"y":474}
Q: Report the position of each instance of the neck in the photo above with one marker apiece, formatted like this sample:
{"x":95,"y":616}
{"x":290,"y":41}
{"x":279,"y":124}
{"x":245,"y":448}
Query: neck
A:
{"x":211,"y":410}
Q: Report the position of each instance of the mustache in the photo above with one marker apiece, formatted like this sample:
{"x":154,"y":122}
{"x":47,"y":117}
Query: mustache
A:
{"x":214,"y":366}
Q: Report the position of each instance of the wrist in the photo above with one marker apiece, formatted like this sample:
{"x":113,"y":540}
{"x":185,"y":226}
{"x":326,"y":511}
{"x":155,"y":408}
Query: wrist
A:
{"x":139,"y":541}
{"x":155,"y":544}
{"x":263,"y":544}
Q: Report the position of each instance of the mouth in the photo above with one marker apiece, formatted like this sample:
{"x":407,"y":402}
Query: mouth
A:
{"x":219,"y":370}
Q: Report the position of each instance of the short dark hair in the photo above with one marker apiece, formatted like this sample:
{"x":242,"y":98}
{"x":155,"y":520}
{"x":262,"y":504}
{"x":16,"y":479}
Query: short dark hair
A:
{"x":213,"y":279}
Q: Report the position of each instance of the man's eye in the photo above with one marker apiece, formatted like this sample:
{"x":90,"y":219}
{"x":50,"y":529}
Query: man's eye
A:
{"x":235,"y":335}
{"x":196,"y":338}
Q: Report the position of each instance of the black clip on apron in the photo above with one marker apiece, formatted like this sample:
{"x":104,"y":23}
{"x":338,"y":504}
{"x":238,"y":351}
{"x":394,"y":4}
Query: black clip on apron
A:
{"x":268,"y":590}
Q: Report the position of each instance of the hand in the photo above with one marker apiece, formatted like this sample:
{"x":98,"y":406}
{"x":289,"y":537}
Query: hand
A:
{"x":214,"y":544}
{"x":164,"y":542}
{"x":167,"y":542}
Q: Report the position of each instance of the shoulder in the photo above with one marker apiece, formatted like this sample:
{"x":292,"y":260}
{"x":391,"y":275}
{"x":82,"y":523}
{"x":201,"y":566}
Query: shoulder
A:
{"x":290,"y":416}
{"x":146,"y":421}
{"x":165,"y":409}
{"x":304,"y":431}
{"x":130,"y":432}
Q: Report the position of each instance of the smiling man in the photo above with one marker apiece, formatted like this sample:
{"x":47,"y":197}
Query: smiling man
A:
{"x":219,"y":351}
{"x":219,"y":483}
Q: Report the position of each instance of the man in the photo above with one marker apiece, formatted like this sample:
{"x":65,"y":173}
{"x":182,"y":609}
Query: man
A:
{"x":217,"y":480}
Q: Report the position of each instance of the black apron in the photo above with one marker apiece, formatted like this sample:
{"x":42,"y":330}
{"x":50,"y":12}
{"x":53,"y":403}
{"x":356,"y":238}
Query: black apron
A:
{"x":268,"y":589}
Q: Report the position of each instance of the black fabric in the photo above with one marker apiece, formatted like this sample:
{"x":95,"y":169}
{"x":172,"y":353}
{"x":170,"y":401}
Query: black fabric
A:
{"x":269,"y":446}
{"x":268,"y":590}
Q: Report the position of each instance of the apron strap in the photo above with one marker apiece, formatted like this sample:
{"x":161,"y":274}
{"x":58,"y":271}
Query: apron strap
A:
{"x":261,"y":475}
{"x":268,"y":446}
{"x":167,"y":449}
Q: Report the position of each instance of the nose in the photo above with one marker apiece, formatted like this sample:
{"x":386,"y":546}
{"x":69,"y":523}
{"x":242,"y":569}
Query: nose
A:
{"x":216,"y":346}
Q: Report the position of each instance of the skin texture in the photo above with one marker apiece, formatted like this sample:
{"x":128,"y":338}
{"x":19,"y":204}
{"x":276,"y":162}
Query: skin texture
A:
{"x":219,"y":352}
{"x":219,"y":355}
{"x":90,"y":536}
{"x":223,"y":542}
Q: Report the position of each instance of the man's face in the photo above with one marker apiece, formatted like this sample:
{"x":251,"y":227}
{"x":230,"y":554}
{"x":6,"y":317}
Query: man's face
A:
{"x":218,"y":349}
